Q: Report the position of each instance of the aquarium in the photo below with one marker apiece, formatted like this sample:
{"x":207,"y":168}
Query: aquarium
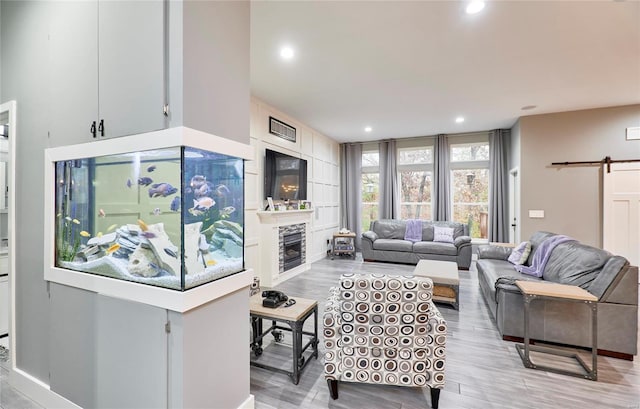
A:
{"x":170,"y":217}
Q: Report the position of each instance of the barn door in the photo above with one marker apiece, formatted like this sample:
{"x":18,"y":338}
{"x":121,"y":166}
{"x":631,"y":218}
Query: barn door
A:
{"x":621,"y":210}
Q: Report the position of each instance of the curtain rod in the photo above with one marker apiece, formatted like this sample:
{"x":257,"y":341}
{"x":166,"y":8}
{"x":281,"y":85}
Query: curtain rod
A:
{"x":606,"y":160}
{"x":426,"y":136}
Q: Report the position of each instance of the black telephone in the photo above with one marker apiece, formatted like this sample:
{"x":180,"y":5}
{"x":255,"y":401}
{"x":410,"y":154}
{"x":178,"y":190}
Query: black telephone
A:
{"x":273,"y":298}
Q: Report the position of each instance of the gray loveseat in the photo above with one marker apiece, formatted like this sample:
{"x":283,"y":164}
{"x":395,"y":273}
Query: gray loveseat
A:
{"x":385,"y":242}
{"x":608,"y":277}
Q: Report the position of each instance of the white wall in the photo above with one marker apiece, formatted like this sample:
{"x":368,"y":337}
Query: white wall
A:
{"x":571,"y":196}
{"x":322,"y":155}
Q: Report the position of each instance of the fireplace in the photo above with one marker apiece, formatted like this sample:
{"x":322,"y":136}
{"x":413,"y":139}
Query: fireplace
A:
{"x":292,"y":250}
{"x":292,"y":246}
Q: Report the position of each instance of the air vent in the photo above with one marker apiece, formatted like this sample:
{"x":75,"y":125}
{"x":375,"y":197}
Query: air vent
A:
{"x":284,"y":131}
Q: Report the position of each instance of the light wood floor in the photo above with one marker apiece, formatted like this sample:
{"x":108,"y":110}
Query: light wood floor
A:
{"x":482,"y":371}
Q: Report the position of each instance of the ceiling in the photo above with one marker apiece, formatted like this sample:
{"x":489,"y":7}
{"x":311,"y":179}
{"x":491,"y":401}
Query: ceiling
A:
{"x":410,"y":68}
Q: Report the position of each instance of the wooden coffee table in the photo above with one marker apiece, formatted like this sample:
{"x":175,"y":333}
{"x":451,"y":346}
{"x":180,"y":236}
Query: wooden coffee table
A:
{"x":446,"y":281}
{"x":535,"y":290}
{"x":294,"y":316}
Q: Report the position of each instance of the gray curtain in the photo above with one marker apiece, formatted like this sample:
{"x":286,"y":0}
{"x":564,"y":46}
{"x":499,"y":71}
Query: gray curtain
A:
{"x":441,"y":183}
{"x":350,"y":190}
{"x":498,"y":205}
{"x":389,"y":196}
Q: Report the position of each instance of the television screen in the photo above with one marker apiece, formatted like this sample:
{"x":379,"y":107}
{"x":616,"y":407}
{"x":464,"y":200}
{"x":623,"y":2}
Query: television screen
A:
{"x":285,"y":177}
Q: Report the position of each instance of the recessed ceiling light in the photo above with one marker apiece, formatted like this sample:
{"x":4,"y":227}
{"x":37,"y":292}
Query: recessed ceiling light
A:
{"x":368,"y":129}
{"x":528,"y":107}
{"x":475,"y":7}
{"x":286,"y":53}
{"x":459,"y":120}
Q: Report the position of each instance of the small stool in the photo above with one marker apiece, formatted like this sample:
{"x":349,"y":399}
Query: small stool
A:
{"x":446,"y":282}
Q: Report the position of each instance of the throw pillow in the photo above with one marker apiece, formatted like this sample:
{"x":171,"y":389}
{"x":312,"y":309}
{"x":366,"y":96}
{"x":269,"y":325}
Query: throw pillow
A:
{"x":443,"y":234}
{"x":520,"y":254}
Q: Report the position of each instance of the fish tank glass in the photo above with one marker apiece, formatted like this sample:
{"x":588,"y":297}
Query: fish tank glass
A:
{"x":171,"y":217}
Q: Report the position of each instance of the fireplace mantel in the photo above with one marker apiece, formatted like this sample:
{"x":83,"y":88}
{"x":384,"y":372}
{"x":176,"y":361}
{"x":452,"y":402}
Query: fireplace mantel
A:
{"x":270,"y":223}
{"x":283,"y":216}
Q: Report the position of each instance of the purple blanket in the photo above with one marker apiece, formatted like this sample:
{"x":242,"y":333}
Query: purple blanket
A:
{"x":414,"y":230}
{"x":541,"y":255}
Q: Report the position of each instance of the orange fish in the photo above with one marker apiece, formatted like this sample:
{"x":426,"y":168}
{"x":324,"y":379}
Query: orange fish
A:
{"x":114,"y":247}
{"x":143,"y":225}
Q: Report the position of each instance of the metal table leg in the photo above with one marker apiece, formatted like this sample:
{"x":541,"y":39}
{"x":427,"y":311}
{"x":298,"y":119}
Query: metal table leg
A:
{"x":525,"y":349}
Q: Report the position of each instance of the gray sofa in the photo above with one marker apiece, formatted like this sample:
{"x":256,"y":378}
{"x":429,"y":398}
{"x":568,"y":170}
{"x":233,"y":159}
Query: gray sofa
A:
{"x":608,"y":277}
{"x":385,"y":242}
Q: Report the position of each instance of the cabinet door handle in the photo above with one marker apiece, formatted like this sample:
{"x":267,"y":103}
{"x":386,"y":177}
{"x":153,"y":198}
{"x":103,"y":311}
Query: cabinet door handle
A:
{"x":101,"y":127}
{"x":93,"y":128}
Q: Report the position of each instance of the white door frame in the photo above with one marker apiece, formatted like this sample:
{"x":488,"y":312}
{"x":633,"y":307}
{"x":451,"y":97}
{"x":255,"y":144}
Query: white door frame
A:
{"x":514,"y":205}
{"x":10,"y":108}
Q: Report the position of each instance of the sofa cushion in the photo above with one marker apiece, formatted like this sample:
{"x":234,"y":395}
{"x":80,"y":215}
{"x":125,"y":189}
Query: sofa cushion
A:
{"x":369,"y":235}
{"x":494,"y":252}
{"x":520,"y":254}
{"x":389,"y":229}
{"x":578,"y":264}
{"x":490,"y":270}
{"x":536,"y":239}
{"x":459,"y":229}
{"x":443,"y":234}
{"x":607,"y":276}
{"x":434,"y":247}
{"x":392,"y":245}
{"x":427,"y":231}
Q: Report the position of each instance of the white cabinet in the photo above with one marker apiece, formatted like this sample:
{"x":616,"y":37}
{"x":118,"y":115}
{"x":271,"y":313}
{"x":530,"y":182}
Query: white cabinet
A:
{"x":107,"y":69}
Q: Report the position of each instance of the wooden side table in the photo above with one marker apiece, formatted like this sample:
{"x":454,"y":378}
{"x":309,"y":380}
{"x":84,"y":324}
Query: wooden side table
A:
{"x":446,"y":281}
{"x":294,"y":316}
{"x":536,"y":290}
{"x":343,"y":244}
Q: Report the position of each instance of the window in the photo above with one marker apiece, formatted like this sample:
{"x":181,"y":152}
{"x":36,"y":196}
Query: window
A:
{"x":370,"y":187}
{"x":469,"y":163}
{"x":415,"y":174}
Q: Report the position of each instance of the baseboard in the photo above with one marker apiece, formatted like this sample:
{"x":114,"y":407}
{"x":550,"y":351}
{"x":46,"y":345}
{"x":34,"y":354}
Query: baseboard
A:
{"x":601,"y":352}
{"x":38,"y":391}
{"x":248,"y":404}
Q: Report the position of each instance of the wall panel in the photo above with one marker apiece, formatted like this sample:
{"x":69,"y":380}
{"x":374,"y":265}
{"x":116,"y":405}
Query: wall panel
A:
{"x":321,"y":154}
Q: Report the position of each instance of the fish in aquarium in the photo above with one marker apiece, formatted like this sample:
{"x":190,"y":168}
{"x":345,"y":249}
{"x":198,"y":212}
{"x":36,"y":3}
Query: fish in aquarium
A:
{"x":204,"y":203}
{"x":205,"y":190}
{"x":197,"y":181}
{"x":227,"y":211}
{"x":222,"y":190}
{"x":167,"y":246}
{"x":114,"y":247}
{"x":143,"y":225}
{"x":175,"y":204}
{"x":195,"y":212}
{"x":161,"y":189}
